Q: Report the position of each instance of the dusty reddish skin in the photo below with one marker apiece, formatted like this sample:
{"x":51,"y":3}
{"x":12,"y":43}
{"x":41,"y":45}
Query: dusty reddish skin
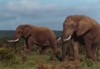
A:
{"x":84,"y":30}
{"x":33,"y":35}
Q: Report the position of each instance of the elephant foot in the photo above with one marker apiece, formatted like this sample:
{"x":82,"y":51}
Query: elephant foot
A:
{"x":59,"y":58}
{"x":98,"y":59}
{"x":66,"y":58}
{"x":42,"y":52}
{"x":62,"y":59}
{"x":76,"y":61}
{"x":94,"y":59}
{"x":27,"y":51}
{"x":89,"y":57}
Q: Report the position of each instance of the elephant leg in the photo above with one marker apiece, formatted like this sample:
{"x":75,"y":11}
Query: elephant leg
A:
{"x":94,"y":48}
{"x":26,"y":46}
{"x":75,"y":50}
{"x":88,"y":47}
{"x":42,"y":51}
{"x":29,"y":45}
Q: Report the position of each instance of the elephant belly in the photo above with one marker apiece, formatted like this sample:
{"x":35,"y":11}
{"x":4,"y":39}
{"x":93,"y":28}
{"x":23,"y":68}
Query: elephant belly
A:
{"x":42,"y":42}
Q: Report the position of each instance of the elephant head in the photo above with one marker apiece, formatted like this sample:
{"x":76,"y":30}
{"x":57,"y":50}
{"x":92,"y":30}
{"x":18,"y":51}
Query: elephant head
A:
{"x":22,"y":31}
{"x":75,"y":24}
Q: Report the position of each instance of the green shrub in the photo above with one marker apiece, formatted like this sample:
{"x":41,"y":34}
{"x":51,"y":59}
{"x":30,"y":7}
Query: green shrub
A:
{"x":6,"y":55}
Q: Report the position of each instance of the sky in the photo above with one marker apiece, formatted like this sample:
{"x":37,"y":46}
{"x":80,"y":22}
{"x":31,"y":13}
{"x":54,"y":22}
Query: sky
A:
{"x":45,"y":13}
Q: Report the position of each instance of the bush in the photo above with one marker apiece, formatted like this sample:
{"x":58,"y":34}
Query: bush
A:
{"x":6,"y":55}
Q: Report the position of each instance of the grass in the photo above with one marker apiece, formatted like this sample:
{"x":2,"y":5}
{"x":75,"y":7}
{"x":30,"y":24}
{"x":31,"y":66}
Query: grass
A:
{"x":34,"y":61}
{"x":20,"y":60}
{"x":90,"y":65}
{"x":30,"y":62}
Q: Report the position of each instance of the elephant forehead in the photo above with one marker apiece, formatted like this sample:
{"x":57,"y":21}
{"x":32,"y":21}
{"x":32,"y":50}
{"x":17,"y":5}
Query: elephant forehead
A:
{"x":19,"y":30}
{"x":69,"y":23}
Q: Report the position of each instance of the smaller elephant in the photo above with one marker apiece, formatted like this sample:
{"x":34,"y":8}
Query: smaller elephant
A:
{"x":33,"y":35}
{"x":84,"y":30}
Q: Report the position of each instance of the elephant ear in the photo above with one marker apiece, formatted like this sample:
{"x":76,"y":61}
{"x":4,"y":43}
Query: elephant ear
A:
{"x":27,"y":32}
{"x":83,"y":27}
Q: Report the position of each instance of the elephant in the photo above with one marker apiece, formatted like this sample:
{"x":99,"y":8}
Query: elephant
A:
{"x":80,"y":29}
{"x":33,"y":35}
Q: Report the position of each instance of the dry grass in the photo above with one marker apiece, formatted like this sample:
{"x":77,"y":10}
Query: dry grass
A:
{"x":36,"y":61}
{"x":61,"y":65}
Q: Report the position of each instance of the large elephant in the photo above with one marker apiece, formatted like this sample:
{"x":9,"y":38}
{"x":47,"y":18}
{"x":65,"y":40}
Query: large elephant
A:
{"x":84,"y":30}
{"x":41,"y":36}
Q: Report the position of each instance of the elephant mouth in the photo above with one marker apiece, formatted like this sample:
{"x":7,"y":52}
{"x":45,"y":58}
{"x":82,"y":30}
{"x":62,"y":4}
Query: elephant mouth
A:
{"x":16,"y":40}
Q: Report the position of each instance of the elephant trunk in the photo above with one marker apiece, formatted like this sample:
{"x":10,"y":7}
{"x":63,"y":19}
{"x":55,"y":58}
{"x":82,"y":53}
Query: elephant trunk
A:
{"x":64,"y":46}
{"x":64,"y":49}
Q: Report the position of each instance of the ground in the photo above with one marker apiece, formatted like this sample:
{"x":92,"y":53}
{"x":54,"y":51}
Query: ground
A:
{"x":45,"y":62}
{"x":15,"y":58}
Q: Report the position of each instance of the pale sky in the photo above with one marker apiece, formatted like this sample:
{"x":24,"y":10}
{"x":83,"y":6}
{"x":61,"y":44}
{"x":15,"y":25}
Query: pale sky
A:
{"x":49,"y":13}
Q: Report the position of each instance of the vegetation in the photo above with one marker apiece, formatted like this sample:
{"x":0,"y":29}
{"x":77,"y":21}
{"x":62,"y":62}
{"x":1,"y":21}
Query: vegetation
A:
{"x":16,"y":57}
{"x":4,"y":33}
{"x":10,"y":33}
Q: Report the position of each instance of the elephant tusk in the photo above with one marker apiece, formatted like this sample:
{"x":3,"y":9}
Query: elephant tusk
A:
{"x":59,"y":39}
{"x":67,"y":39}
{"x":13,"y":40}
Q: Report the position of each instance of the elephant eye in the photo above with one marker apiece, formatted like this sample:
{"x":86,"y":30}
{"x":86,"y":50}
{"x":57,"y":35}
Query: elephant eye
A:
{"x":72,"y":25}
{"x":19,"y":32}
